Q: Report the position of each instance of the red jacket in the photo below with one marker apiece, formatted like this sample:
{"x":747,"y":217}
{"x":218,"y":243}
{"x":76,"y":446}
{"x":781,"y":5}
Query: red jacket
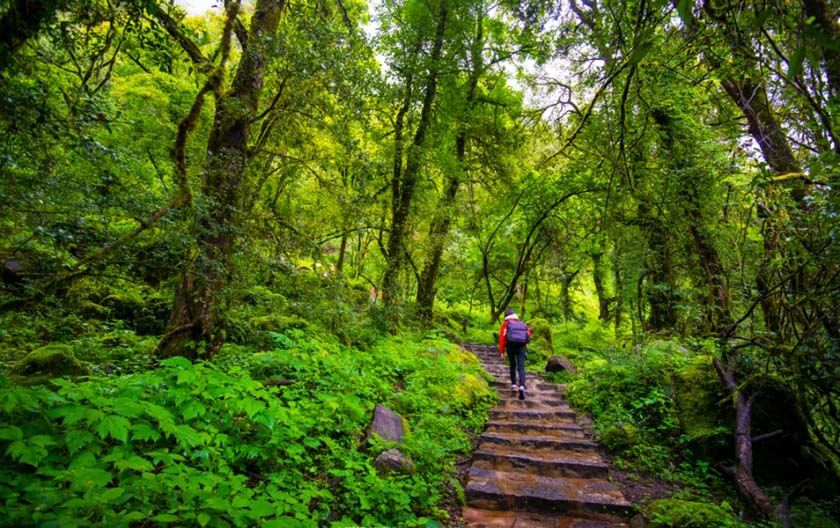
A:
{"x":503,"y":331}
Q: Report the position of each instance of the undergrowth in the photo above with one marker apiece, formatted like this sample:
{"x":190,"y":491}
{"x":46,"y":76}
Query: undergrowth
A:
{"x":209,"y":444}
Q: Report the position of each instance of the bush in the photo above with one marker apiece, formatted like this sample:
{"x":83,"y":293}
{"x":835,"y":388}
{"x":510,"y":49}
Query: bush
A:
{"x":667,"y":513}
{"x":207,"y":445}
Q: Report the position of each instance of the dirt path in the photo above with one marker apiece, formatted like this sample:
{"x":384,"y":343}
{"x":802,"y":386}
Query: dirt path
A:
{"x":534,"y":466}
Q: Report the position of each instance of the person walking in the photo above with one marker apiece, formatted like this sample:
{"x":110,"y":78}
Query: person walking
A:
{"x":514,"y":336}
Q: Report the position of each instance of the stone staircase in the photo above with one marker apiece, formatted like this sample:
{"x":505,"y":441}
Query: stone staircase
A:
{"x":534,"y":466}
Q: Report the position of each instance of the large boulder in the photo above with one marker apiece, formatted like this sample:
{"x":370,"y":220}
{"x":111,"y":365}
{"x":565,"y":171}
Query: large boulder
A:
{"x":560,"y":364}
{"x":47,"y":362}
{"x":387,"y":425}
{"x":393,"y":461}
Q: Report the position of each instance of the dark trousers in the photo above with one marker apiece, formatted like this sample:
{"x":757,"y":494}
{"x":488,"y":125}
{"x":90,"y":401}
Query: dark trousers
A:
{"x":516,"y":358}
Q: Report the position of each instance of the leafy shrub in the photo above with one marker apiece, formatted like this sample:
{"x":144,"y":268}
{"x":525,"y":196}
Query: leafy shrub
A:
{"x":666,"y":513}
{"x":206,"y":445}
{"x":632,"y":387}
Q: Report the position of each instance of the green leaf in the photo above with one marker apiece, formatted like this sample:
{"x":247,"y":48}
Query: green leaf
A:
{"x":684,"y":10}
{"x":114,"y":426}
{"x":134,"y":516}
{"x":193,"y":409}
{"x":76,"y":440}
{"x":640,"y":52}
{"x":134,"y":462}
{"x":796,"y":61}
{"x":166,"y":518}
{"x":177,"y":362}
{"x":111,"y":494}
{"x":11,"y":433}
{"x":144,"y":433}
{"x":70,"y":413}
{"x":84,"y":460}
{"x":27,"y":454}
{"x":91,"y":478}
{"x":128,"y":408}
{"x":281,"y":522}
{"x":261,"y":508}
{"x":161,"y":414}
{"x":42,"y":440}
{"x":203,"y":519}
{"x":762,"y":17}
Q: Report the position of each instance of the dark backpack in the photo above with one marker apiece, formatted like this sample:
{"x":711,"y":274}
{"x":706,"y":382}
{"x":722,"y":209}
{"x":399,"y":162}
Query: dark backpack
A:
{"x":517,"y":333}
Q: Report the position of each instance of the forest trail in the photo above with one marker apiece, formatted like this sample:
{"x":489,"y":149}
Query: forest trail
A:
{"x":534,"y":466}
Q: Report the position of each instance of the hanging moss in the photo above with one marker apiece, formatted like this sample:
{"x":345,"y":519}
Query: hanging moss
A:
{"x":47,"y":362}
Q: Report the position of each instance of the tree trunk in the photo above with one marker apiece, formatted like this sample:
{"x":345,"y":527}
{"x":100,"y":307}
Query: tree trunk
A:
{"x":707,"y":254}
{"x":598,"y":279}
{"x":660,"y":291}
{"x":405,"y":181}
{"x":565,"y":294}
{"x":439,"y":228}
{"x":757,"y":503}
{"x":438,"y":232}
{"x":196,"y":326}
{"x":342,"y":252}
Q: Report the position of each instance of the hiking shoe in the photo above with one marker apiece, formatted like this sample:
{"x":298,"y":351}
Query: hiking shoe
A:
{"x":514,"y":388}
{"x":521,"y":394}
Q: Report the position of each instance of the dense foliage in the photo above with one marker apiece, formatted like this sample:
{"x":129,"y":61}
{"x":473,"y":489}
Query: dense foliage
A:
{"x":209,"y":444}
{"x":329,"y":193}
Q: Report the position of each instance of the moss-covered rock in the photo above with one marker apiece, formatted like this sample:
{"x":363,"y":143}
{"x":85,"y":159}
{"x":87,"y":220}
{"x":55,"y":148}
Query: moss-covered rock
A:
{"x":47,"y":362}
{"x":595,"y":364}
{"x":618,"y":436}
{"x":689,"y":514}
{"x":277,"y":323}
{"x":468,"y":391}
{"x":542,"y":332}
{"x":464,"y":357}
{"x":541,"y":347}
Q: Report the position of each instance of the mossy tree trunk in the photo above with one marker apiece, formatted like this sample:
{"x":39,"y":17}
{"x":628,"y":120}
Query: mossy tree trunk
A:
{"x":196,"y":326}
{"x":405,"y":180}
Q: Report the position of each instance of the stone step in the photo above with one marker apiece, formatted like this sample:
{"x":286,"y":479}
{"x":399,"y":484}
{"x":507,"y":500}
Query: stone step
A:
{"x":555,"y":465}
{"x":479,"y":518}
{"x":582,"y":498}
{"x":538,"y":415}
{"x":535,"y":466}
{"x":533,"y":400}
{"x":509,"y":426}
{"x":531,"y":383}
{"x":538,"y":444}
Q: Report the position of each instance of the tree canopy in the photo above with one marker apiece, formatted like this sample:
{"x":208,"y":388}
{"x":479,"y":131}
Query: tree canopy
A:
{"x":663,"y":169}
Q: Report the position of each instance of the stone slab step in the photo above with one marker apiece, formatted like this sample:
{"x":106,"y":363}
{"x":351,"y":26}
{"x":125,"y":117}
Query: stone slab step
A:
{"x":566,"y":465}
{"x":532,"y":383}
{"x":592,"y":499}
{"x":548,"y":401}
{"x":534,"y":415}
{"x":478,"y":518}
{"x":509,"y":425}
{"x":538,"y":444}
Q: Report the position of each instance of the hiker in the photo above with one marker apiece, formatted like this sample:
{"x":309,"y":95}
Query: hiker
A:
{"x":514,"y":336}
